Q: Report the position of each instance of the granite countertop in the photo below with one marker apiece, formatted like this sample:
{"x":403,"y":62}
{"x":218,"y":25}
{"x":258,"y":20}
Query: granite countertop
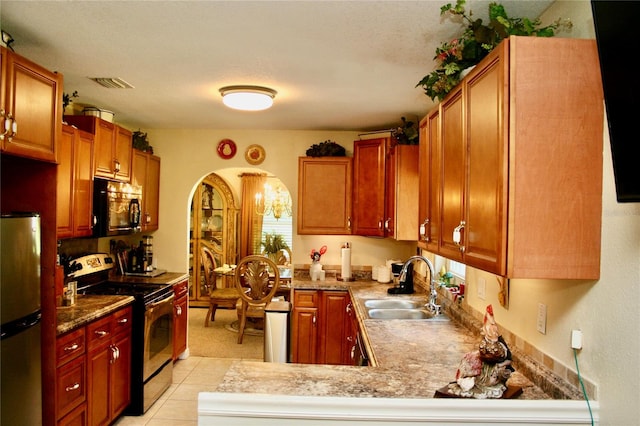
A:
{"x":91,"y":307}
{"x":409,"y":359}
{"x":88,"y":308}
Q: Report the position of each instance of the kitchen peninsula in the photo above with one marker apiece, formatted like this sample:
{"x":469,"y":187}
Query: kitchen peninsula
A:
{"x":409,"y":360}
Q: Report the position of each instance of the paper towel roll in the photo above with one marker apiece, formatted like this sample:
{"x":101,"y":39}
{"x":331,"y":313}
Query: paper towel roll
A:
{"x":346,"y":263}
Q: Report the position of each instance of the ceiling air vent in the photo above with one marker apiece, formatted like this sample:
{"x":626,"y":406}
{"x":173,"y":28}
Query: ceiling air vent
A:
{"x":112,"y":83}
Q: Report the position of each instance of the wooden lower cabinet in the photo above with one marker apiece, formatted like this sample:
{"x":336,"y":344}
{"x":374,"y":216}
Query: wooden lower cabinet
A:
{"x":321,"y":327}
{"x":71,"y":377}
{"x":109,"y":366}
{"x":180,"y":317}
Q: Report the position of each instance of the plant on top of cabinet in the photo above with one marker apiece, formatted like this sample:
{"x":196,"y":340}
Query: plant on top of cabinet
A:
{"x":327,"y":148}
{"x":476,"y":42}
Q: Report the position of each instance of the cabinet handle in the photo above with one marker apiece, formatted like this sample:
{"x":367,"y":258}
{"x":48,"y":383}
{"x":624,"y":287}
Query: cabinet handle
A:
{"x":457,"y":235}
{"x":123,"y":320}
{"x":147,"y":218}
{"x":423,"y":230}
{"x":114,"y":354}
{"x":386,"y":224}
{"x":6,"y":124}
{"x":101,"y":333}
{"x":349,"y":222}
{"x":178,"y":310}
{"x":314,"y":319}
{"x":380,"y":224}
{"x":71,"y":348}
{"x":73,"y":387}
{"x":116,"y":166}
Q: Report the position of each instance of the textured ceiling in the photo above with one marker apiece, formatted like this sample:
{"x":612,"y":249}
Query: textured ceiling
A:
{"x":337,"y":65}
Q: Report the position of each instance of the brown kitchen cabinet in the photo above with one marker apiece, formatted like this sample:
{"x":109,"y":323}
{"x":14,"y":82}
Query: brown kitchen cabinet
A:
{"x":320,"y":327}
{"x":304,"y":326}
{"x":113,"y":146}
{"x":180,"y":317}
{"x":429,"y":182}
{"x":109,"y":366}
{"x":146,"y":174}
{"x":385,"y":189}
{"x":75,"y":184}
{"x":324,"y":195}
{"x":521,"y":138}
{"x":71,"y":378}
{"x":30,"y":108}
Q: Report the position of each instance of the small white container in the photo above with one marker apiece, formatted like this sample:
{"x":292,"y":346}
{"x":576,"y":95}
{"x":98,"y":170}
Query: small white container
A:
{"x":384,"y":274}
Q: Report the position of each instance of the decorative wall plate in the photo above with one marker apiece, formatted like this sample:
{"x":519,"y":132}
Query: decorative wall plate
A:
{"x":254,"y":154}
{"x":226,"y":148}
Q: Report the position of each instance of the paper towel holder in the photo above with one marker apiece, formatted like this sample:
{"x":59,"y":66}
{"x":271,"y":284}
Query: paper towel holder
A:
{"x":339,"y":277}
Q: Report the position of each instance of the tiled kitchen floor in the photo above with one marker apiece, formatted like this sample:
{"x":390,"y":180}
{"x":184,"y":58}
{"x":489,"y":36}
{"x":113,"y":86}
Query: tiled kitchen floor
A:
{"x":179,"y":404}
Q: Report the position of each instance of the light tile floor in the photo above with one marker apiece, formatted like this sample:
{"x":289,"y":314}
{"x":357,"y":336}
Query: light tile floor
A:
{"x":179,"y":404}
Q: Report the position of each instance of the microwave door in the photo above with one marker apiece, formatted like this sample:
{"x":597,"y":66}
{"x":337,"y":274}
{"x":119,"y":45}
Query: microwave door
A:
{"x":134,"y":213}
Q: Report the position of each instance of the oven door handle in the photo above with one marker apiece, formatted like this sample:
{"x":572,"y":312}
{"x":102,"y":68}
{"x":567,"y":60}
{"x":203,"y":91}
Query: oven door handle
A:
{"x":154,"y":305}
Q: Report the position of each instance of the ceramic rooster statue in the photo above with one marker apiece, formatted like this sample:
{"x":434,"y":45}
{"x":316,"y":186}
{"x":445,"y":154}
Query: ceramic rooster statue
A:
{"x":483,"y":373}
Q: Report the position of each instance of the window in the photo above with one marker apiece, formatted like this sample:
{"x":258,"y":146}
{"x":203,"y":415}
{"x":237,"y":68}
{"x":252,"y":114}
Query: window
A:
{"x":456,"y":268}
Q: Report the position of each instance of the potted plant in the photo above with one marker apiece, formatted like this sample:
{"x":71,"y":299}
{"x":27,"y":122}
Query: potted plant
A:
{"x":273,"y":244}
{"x":476,"y":42}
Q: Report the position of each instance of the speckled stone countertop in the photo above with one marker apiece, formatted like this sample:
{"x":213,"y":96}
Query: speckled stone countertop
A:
{"x":409,"y":359}
{"x":88,"y":308}
{"x":91,"y":307}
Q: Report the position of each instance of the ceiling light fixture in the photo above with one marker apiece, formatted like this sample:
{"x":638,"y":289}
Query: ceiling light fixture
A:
{"x":248,"y":98}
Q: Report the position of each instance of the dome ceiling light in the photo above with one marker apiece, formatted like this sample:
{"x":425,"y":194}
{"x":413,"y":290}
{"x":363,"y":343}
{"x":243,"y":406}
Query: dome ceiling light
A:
{"x":248,"y":98}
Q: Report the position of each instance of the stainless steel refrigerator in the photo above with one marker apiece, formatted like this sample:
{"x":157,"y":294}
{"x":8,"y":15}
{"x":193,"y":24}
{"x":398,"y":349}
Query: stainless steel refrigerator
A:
{"x":20,"y":376}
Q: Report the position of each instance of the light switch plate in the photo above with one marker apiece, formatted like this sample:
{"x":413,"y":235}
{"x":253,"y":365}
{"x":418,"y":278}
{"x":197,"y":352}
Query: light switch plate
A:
{"x":542,"y":318}
{"x":482,"y":288}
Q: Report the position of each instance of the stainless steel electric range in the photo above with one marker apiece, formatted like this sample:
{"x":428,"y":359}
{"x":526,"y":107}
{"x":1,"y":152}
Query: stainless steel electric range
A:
{"x":152,"y":326}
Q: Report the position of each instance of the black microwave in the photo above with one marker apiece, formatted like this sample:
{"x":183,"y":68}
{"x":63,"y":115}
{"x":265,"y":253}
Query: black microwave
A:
{"x":116,"y":208}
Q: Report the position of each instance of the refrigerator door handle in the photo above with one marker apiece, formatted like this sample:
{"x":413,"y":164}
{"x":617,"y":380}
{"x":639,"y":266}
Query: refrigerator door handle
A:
{"x":18,"y":326}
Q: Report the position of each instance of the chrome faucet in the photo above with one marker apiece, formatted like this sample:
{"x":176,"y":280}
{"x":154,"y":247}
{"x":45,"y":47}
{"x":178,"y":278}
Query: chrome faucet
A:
{"x":433,"y":294}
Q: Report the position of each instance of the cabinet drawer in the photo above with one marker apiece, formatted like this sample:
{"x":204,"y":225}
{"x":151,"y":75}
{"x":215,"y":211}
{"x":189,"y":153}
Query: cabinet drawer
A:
{"x":305,"y":298}
{"x":71,"y":386}
{"x":77,"y":417}
{"x":181,"y":289}
{"x":122,"y":321}
{"x":99,"y":333}
{"x":70,"y":346}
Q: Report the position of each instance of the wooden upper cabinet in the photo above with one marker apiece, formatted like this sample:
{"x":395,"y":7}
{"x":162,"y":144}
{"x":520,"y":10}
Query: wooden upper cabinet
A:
{"x":369,"y":157}
{"x":146,"y":174}
{"x":430,"y":158}
{"x":113,"y":146}
{"x":324,"y":195}
{"x":75,"y":184}
{"x":30,"y":108}
{"x":402,"y":186}
{"x":521,"y":138}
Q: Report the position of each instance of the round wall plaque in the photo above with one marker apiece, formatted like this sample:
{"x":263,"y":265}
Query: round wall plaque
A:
{"x":254,"y":154}
{"x":226,"y":149}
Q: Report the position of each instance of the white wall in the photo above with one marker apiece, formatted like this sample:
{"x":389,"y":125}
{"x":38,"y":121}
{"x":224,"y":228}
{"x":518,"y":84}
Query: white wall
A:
{"x":607,"y":310}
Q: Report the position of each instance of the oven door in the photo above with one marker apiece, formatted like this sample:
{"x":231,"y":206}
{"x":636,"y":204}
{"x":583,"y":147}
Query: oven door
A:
{"x":158,"y":336}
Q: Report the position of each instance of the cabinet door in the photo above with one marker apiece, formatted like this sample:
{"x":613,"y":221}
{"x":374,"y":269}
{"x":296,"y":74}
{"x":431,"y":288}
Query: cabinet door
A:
{"x":334,"y":328}
{"x":453,"y":173}
{"x":430,"y":181}
{"x":123,"y":153}
{"x":390,"y":189}
{"x":324,"y":195}
{"x":304,"y":326}
{"x":180,"y":318}
{"x":33,"y":104}
{"x":64,"y":193}
{"x":403,"y":209}
{"x":369,"y":187}
{"x":120,"y":375}
{"x":83,"y":185}
{"x":104,"y":150}
{"x":98,"y":373}
{"x":486,"y":194}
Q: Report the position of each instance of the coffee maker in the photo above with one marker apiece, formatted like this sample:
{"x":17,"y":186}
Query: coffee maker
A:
{"x":147,"y":246}
{"x":401,"y":287}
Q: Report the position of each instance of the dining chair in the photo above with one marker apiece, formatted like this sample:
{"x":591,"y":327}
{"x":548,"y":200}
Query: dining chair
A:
{"x":257,"y":279}
{"x":218,"y":297}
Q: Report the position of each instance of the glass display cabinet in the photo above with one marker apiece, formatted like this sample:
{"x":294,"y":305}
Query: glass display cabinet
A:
{"x":213,"y":224}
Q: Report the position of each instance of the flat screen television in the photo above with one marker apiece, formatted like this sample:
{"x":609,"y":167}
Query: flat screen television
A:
{"x":615,"y":23}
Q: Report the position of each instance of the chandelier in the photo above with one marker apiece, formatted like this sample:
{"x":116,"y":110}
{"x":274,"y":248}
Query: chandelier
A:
{"x":273,"y":202}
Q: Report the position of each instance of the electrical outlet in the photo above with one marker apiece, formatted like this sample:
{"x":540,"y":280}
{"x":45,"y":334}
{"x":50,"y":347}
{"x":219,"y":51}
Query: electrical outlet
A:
{"x":482,"y":288}
{"x":542,"y":318}
{"x":576,"y":339}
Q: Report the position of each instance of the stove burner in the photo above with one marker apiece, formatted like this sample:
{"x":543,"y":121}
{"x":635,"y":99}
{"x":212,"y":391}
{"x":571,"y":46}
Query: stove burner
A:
{"x":147,"y":293}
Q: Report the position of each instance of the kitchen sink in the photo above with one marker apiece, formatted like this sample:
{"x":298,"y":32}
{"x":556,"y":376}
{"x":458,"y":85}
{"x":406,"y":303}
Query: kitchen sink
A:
{"x":406,"y":313}
{"x":392,"y":304}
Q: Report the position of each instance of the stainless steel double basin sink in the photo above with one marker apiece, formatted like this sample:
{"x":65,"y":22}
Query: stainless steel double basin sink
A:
{"x":388,"y":309}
